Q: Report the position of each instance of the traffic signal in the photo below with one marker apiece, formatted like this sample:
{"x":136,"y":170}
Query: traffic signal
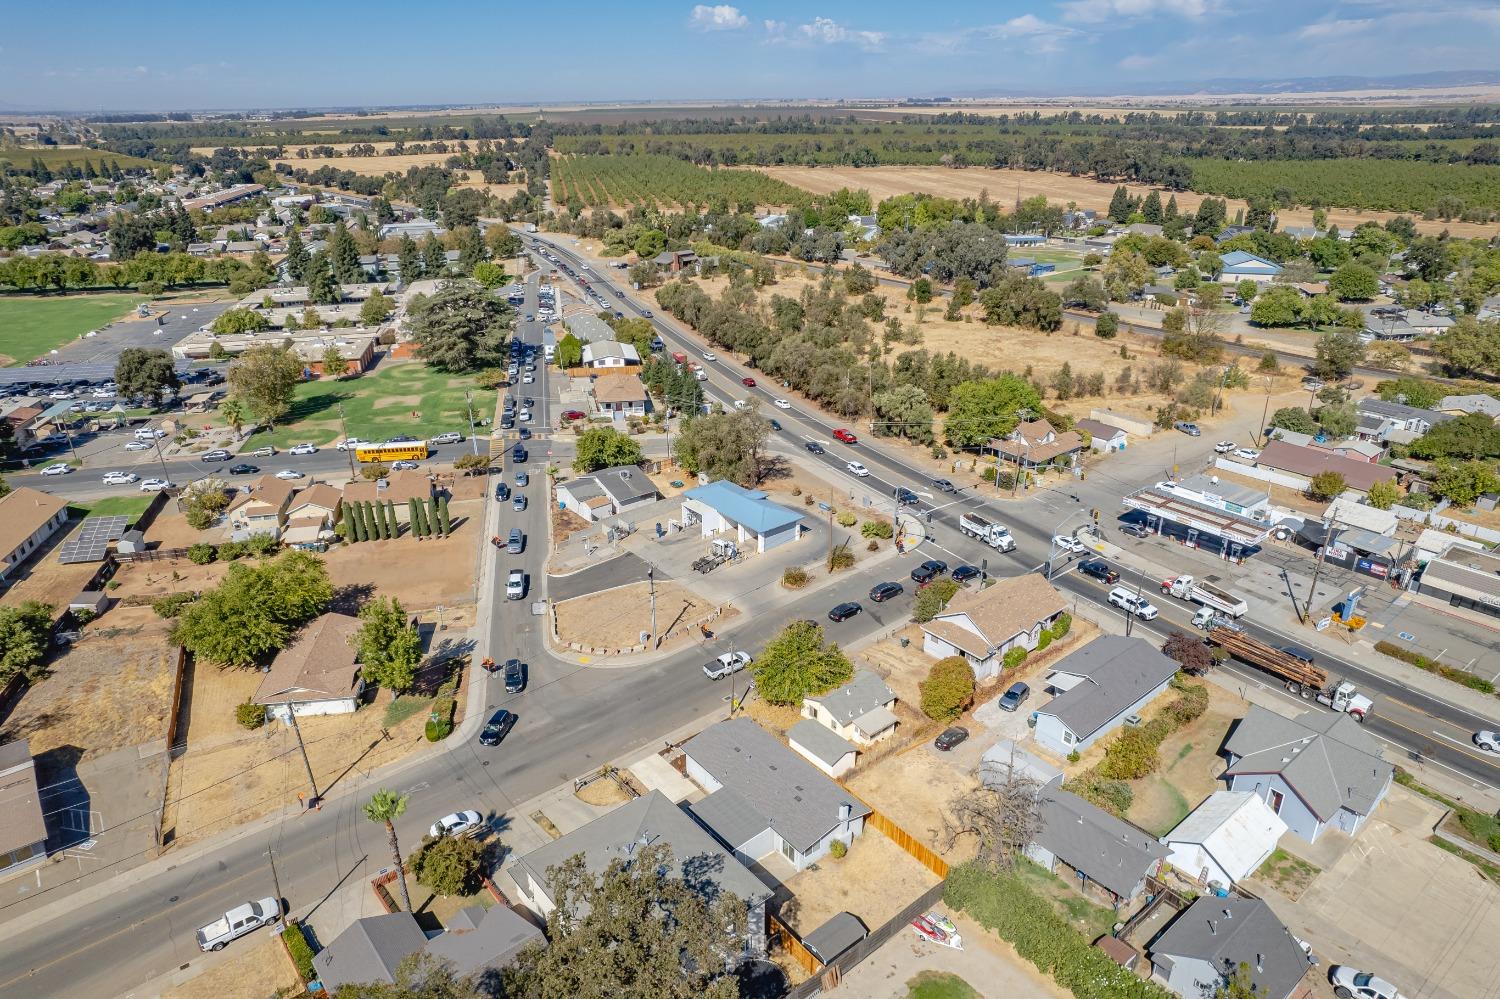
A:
{"x":1095,"y":514}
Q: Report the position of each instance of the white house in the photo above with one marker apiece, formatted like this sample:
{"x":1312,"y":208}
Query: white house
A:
{"x":723,"y":506}
{"x":1225,"y":839}
{"x":1097,"y":688}
{"x":606,"y":493}
{"x":318,"y":674}
{"x":610,"y":354}
{"x":1103,"y":437}
{"x":1240,"y":266}
{"x":983,"y":625}
{"x":822,"y":747}
{"x":859,"y":711}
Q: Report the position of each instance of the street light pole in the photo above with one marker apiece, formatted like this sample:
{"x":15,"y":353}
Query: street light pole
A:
{"x":469,"y":405}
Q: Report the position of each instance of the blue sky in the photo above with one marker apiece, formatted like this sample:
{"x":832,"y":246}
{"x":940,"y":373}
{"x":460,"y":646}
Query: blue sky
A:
{"x":111,"y":55}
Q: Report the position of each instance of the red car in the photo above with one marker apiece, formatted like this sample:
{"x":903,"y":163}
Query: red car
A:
{"x":845,"y":436}
{"x":748,"y":382}
{"x":572,"y":414}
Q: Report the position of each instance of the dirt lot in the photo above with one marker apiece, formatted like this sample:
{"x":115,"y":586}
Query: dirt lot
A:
{"x":886,"y":182}
{"x":256,"y":971}
{"x":876,"y":880}
{"x":1190,"y":765}
{"x":379,"y":166}
{"x":420,"y":574}
{"x":616,"y":618}
{"x":913,"y":787}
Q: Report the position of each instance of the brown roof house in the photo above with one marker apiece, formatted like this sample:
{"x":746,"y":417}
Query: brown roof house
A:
{"x":1037,"y":443}
{"x":620,"y":395}
{"x":261,"y":509}
{"x":318,"y":674}
{"x":983,"y":625}
{"x":311,"y":514}
{"x":28,"y":517}
{"x":23,"y":830}
{"x":397,"y":490}
{"x":1306,"y":462}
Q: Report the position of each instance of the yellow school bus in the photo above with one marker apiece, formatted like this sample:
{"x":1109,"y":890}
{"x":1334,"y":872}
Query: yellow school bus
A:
{"x":409,"y":451}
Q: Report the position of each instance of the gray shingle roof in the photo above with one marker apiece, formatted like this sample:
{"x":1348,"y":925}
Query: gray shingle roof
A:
{"x":865,"y":692}
{"x":733,"y":819}
{"x":1110,"y":852}
{"x":824,"y":743}
{"x":484,"y":939}
{"x":369,"y":950}
{"x":1227,"y":932}
{"x":1399,"y":411}
{"x":797,"y":800}
{"x":1119,"y":671}
{"x":1326,"y":757}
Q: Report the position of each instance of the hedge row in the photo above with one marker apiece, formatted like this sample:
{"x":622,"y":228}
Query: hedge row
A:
{"x":300,"y":949}
{"x":1421,"y":662}
{"x":1132,"y":754}
{"x":1001,"y":902}
{"x":1016,"y":655}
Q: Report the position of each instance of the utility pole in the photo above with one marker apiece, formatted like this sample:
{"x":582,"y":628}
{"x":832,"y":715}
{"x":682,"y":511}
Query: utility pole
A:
{"x":651,"y":579}
{"x":1264,"y":412}
{"x":469,"y":405}
{"x":1140,"y":580}
{"x":1318,"y":569}
{"x":731,"y":678}
{"x":830,"y":527}
{"x":348,"y":452}
{"x":313,"y":801}
{"x":276,"y":880}
{"x":156,"y":443}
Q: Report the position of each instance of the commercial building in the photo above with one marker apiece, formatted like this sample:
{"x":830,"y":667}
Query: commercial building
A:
{"x":23,"y":828}
{"x":754,"y":521}
{"x":607,"y":492}
{"x":1463,"y":578}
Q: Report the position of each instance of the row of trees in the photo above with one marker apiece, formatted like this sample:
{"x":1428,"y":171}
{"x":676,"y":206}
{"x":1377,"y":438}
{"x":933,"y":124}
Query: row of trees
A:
{"x":151,"y":274}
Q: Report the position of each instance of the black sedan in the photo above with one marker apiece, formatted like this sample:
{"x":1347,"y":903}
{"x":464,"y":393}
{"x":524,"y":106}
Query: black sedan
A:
{"x":515,"y":676}
{"x":243,"y":469}
{"x":814,"y":447}
{"x":905,"y":496}
{"x":502,"y":492}
{"x":1100,"y":570}
{"x":964,"y":573}
{"x":844,"y":611}
{"x":499,"y":725}
{"x":928,"y":571}
{"x":951,"y":737}
{"x":882,"y":592}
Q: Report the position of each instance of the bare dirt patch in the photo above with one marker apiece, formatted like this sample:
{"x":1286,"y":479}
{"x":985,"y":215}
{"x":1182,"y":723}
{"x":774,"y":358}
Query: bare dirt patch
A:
{"x":256,"y":971}
{"x":392,"y":401}
{"x":913,"y":788}
{"x":602,"y":792}
{"x":876,"y":880}
{"x":616,"y":618}
{"x":421,"y":574}
{"x":774,"y":718}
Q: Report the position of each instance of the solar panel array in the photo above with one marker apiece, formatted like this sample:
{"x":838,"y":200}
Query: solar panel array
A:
{"x":91,"y":543}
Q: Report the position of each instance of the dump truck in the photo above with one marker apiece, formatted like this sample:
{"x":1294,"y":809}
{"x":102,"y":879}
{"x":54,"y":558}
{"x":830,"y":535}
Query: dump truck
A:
{"x":1207,"y":594}
{"x":1301,"y":676}
{"x":996,"y":535}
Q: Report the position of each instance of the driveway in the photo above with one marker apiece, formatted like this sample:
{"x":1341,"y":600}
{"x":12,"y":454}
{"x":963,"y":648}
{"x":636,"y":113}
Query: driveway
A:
{"x":618,"y":571}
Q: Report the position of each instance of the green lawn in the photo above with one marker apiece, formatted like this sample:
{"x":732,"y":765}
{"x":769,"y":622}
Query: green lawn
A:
{"x":115,"y":506}
{"x":379,"y":405}
{"x":939,"y":985}
{"x":31,"y":325}
{"x":1087,"y":917}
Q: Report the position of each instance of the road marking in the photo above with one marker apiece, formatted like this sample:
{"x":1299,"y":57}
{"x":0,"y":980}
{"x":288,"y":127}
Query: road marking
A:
{"x":1468,"y":748}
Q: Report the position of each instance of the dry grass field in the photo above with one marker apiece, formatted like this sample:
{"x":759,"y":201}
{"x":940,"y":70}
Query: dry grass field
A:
{"x":1004,"y":185}
{"x":379,"y":166}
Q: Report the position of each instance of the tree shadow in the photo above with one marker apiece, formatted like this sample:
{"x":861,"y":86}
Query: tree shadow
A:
{"x":774,"y":467}
{"x":350,"y":597}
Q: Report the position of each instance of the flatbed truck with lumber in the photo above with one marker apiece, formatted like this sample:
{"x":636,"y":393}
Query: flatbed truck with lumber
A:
{"x":1302,"y":677}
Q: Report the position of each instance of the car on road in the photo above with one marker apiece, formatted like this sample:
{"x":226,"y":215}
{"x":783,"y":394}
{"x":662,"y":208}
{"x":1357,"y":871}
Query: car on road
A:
{"x":748,"y":382}
{"x":726,"y":664}
{"x":518,"y":455}
{"x":855,"y":468}
{"x":647,"y":313}
{"x":951,"y":738}
{"x":1487,"y":741}
{"x":515,"y":585}
{"x":137,"y":446}
{"x":404,"y":465}
{"x":844,"y":611}
{"x":502,"y":491}
{"x":904,"y":496}
{"x":944,"y":485}
{"x":497,"y":728}
{"x":709,"y":355}
{"x":522,"y":480}
{"x":262,"y":452}
{"x":450,"y":437}
{"x":964,"y":573}
{"x":515,"y":676}
{"x":237,"y":922}
{"x":149,"y":433}
{"x":775,"y":425}
{"x":217,"y":454}
{"x":1132,"y":604}
{"x":524,"y":416}
{"x":813,"y":447}
{"x":1191,"y":429}
{"x":244,"y":468}
{"x":845,"y":436}
{"x":303,"y":449}
{"x":350,"y":443}
{"x":1224,"y":447}
{"x":58,"y":469}
{"x":928,"y":571}
{"x":155,"y":485}
{"x":292,"y":473}
{"x":507,"y":422}
{"x":120,"y":478}
{"x":528,"y":379}
{"x":1068,"y":543}
{"x":465,"y":823}
{"x":881,"y":592}
{"x":782,"y":404}
{"x":519,"y":503}
{"x":1100,"y":570}
{"x":1135,"y":530}
{"x":1015,"y":696}
{"x":400,"y":439}
{"x":1351,"y":983}
{"x":1247,"y":453}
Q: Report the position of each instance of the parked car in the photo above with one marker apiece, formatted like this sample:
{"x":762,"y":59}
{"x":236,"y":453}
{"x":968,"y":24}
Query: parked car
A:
{"x":217,"y":454}
{"x":1350,"y":983}
{"x":244,"y":469}
{"x":857,"y":469}
{"x":1224,"y":447}
{"x":400,"y":439}
{"x":450,"y":437}
{"x":237,"y":922}
{"x":1015,"y":696}
{"x":881,"y":592}
{"x":572,"y":414}
{"x":1247,"y":453}
{"x":292,"y":473}
{"x":137,"y":446}
{"x":502,"y":491}
{"x":844,"y":611}
{"x":1135,"y":530}
{"x":497,"y":728}
{"x":155,"y":485}
{"x":964,"y":573}
{"x":465,"y":823}
{"x":350,"y":443}
{"x":515,"y":585}
{"x":928,"y":571}
{"x":303,"y":449}
{"x":1191,"y":429}
{"x":1100,"y":570}
{"x":1129,"y":602}
{"x":845,"y":436}
{"x":262,"y":452}
{"x":813,"y":447}
{"x":726,"y":664}
{"x":951,"y":738}
{"x":119,"y":478}
{"x":404,"y":465}
{"x":57,"y":469}
{"x":515,"y":676}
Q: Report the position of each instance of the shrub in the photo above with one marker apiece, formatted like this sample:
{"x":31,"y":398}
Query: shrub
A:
{"x":1044,"y":641}
{"x":201,"y":554}
{"x":794,"y":578}
{"x":171,"y":605}
{"x":988,"y":475}
{"x":1421,"y":662}
{"x":948,"y":690}
{"x":300,"y":949}
{"x":873,"y":546}
{"x":842,"y":557}
{"x":846,"y":519}
{"x":1013,"y":657}
{"x":838,"y":849}
{"x":450,"y":865}
{"x":931,"y":600}
{"x":1074,"y":756}
{"x":250,"y":715}
{"x":440,"y":721}
{"x":877,"y":529}
{"x":1132,"y":754}
{"x":261,"y":545}
{"x":1114,"y":796}
{"x":231,"y":550}
{"x":1062,"y":625}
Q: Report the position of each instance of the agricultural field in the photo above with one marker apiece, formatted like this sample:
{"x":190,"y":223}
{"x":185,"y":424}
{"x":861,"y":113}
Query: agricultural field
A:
{"x":1388,"y":185}
{"x":31,"y":325}
{"x":662,"y":180}
{"x":54,"y":157}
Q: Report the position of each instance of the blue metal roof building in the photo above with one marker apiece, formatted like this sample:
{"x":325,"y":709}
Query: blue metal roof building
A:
{"x":723,"y":506}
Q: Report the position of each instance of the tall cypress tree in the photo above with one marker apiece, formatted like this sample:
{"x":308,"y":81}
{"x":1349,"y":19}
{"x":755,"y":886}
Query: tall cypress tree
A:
{"x":1151,"y":208}
{"x":360,"y":526}
{"x":434,"y":257}
{"x":409,"y":259}
{"x":296,"y":257}
{"x":370,"y":523}
{"x":390,"y":516}
{"x":1119,"y":204}
{"x":381,"y":522}
{"x":1171,"y":212}
{"x":322,"y":289}
{"x":411,"y":518}
{"x":444,"y":524}
{"x":351,"y":531}
{"x":343,"y":255}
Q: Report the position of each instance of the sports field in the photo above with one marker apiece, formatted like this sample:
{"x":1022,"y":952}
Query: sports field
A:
{"x":401,"y":397}
{"x":31,"y":325}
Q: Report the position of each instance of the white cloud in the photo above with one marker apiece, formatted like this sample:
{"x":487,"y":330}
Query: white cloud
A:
{"x":1094,"y":11}
{"x":1131,"y":63}
{"x":1044,"y":36}
{"x":774,"y":28}
{"x":825,"y":31}
{"x":721,"y":17}
{"x":1336,"y":28}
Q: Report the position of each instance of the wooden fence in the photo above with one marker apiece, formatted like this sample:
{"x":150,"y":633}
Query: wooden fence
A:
{"x":924,"y":855}
{"x":783,"y":936}
{"x":828,"y":976}
{"x":152,"y":555}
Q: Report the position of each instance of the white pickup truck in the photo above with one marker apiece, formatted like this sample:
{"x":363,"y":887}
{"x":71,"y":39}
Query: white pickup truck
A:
{"x":237,"y":922}
{"x":722,"y":666}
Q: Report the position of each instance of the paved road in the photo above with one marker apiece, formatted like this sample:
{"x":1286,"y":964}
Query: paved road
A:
{"x":626,"y":567}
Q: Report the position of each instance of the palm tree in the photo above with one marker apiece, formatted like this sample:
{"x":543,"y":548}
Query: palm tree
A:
{"x":387,"y":806}
{"x":233,"y":412}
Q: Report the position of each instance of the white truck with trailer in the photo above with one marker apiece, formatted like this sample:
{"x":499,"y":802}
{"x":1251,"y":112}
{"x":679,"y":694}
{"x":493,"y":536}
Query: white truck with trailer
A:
{"x":1297,"y":671}
{"x":996,"y":535}
{"x":1207,"y":594}
{"x":237,"y":922}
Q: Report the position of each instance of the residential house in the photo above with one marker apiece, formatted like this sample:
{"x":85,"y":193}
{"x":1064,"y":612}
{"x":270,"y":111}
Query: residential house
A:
{"x":417,"y":229}
{"x":617,"y":835}
{"x":1318,"y":770}
{"x":1037,"y":443}
{"x":1427,"y":323}
{"x":1101,"y":850}
{"x":675,"y":260}
{"x":1307,"y":462}
{"x":1240,"y":266}
{"x":1102,"y":436}
{"x":1474,"y":403}
{"x":312,"y":513}
{"x":755,"y":521}
{"x":22,"y":421}
{"x":590,"y":328}
{"x":763,"y":798}
{"x":1354,"y":449}
{"x":475,"y":942}
{"x":822,"y":747}
{"x":318,"y":674}
{"x":982,"y":625}
{"x":1097,"y":689}
{"x":23,"y":827}
{"x":28,"y":517}
{"x":620,"y":395}
{"x":1225,"y":839}
{"x":1409,"y":418}
{"x":1201,"y":949}
{"x":1391,"y":327}
{"x":1147,"y":229}
{"x":396,"y":491}
{"x":1301,"y":231}
{"x":369,"y":951}
{"x":606,"y":493}
{"x":610,"y":354}
{"x":1230,"y":231}
{"x":483,"y":942}
{"x":261,"y":509}
{"x":861,"y":711}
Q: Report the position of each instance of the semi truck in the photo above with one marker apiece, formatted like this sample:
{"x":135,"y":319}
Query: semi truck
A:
{"x":1207,"y":594}
{"x":1301,"y":676}
{"x":996,"y":535}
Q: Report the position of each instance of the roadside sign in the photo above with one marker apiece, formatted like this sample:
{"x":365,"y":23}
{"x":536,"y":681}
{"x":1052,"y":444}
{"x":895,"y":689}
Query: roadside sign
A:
{"x":1324,"y":623}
